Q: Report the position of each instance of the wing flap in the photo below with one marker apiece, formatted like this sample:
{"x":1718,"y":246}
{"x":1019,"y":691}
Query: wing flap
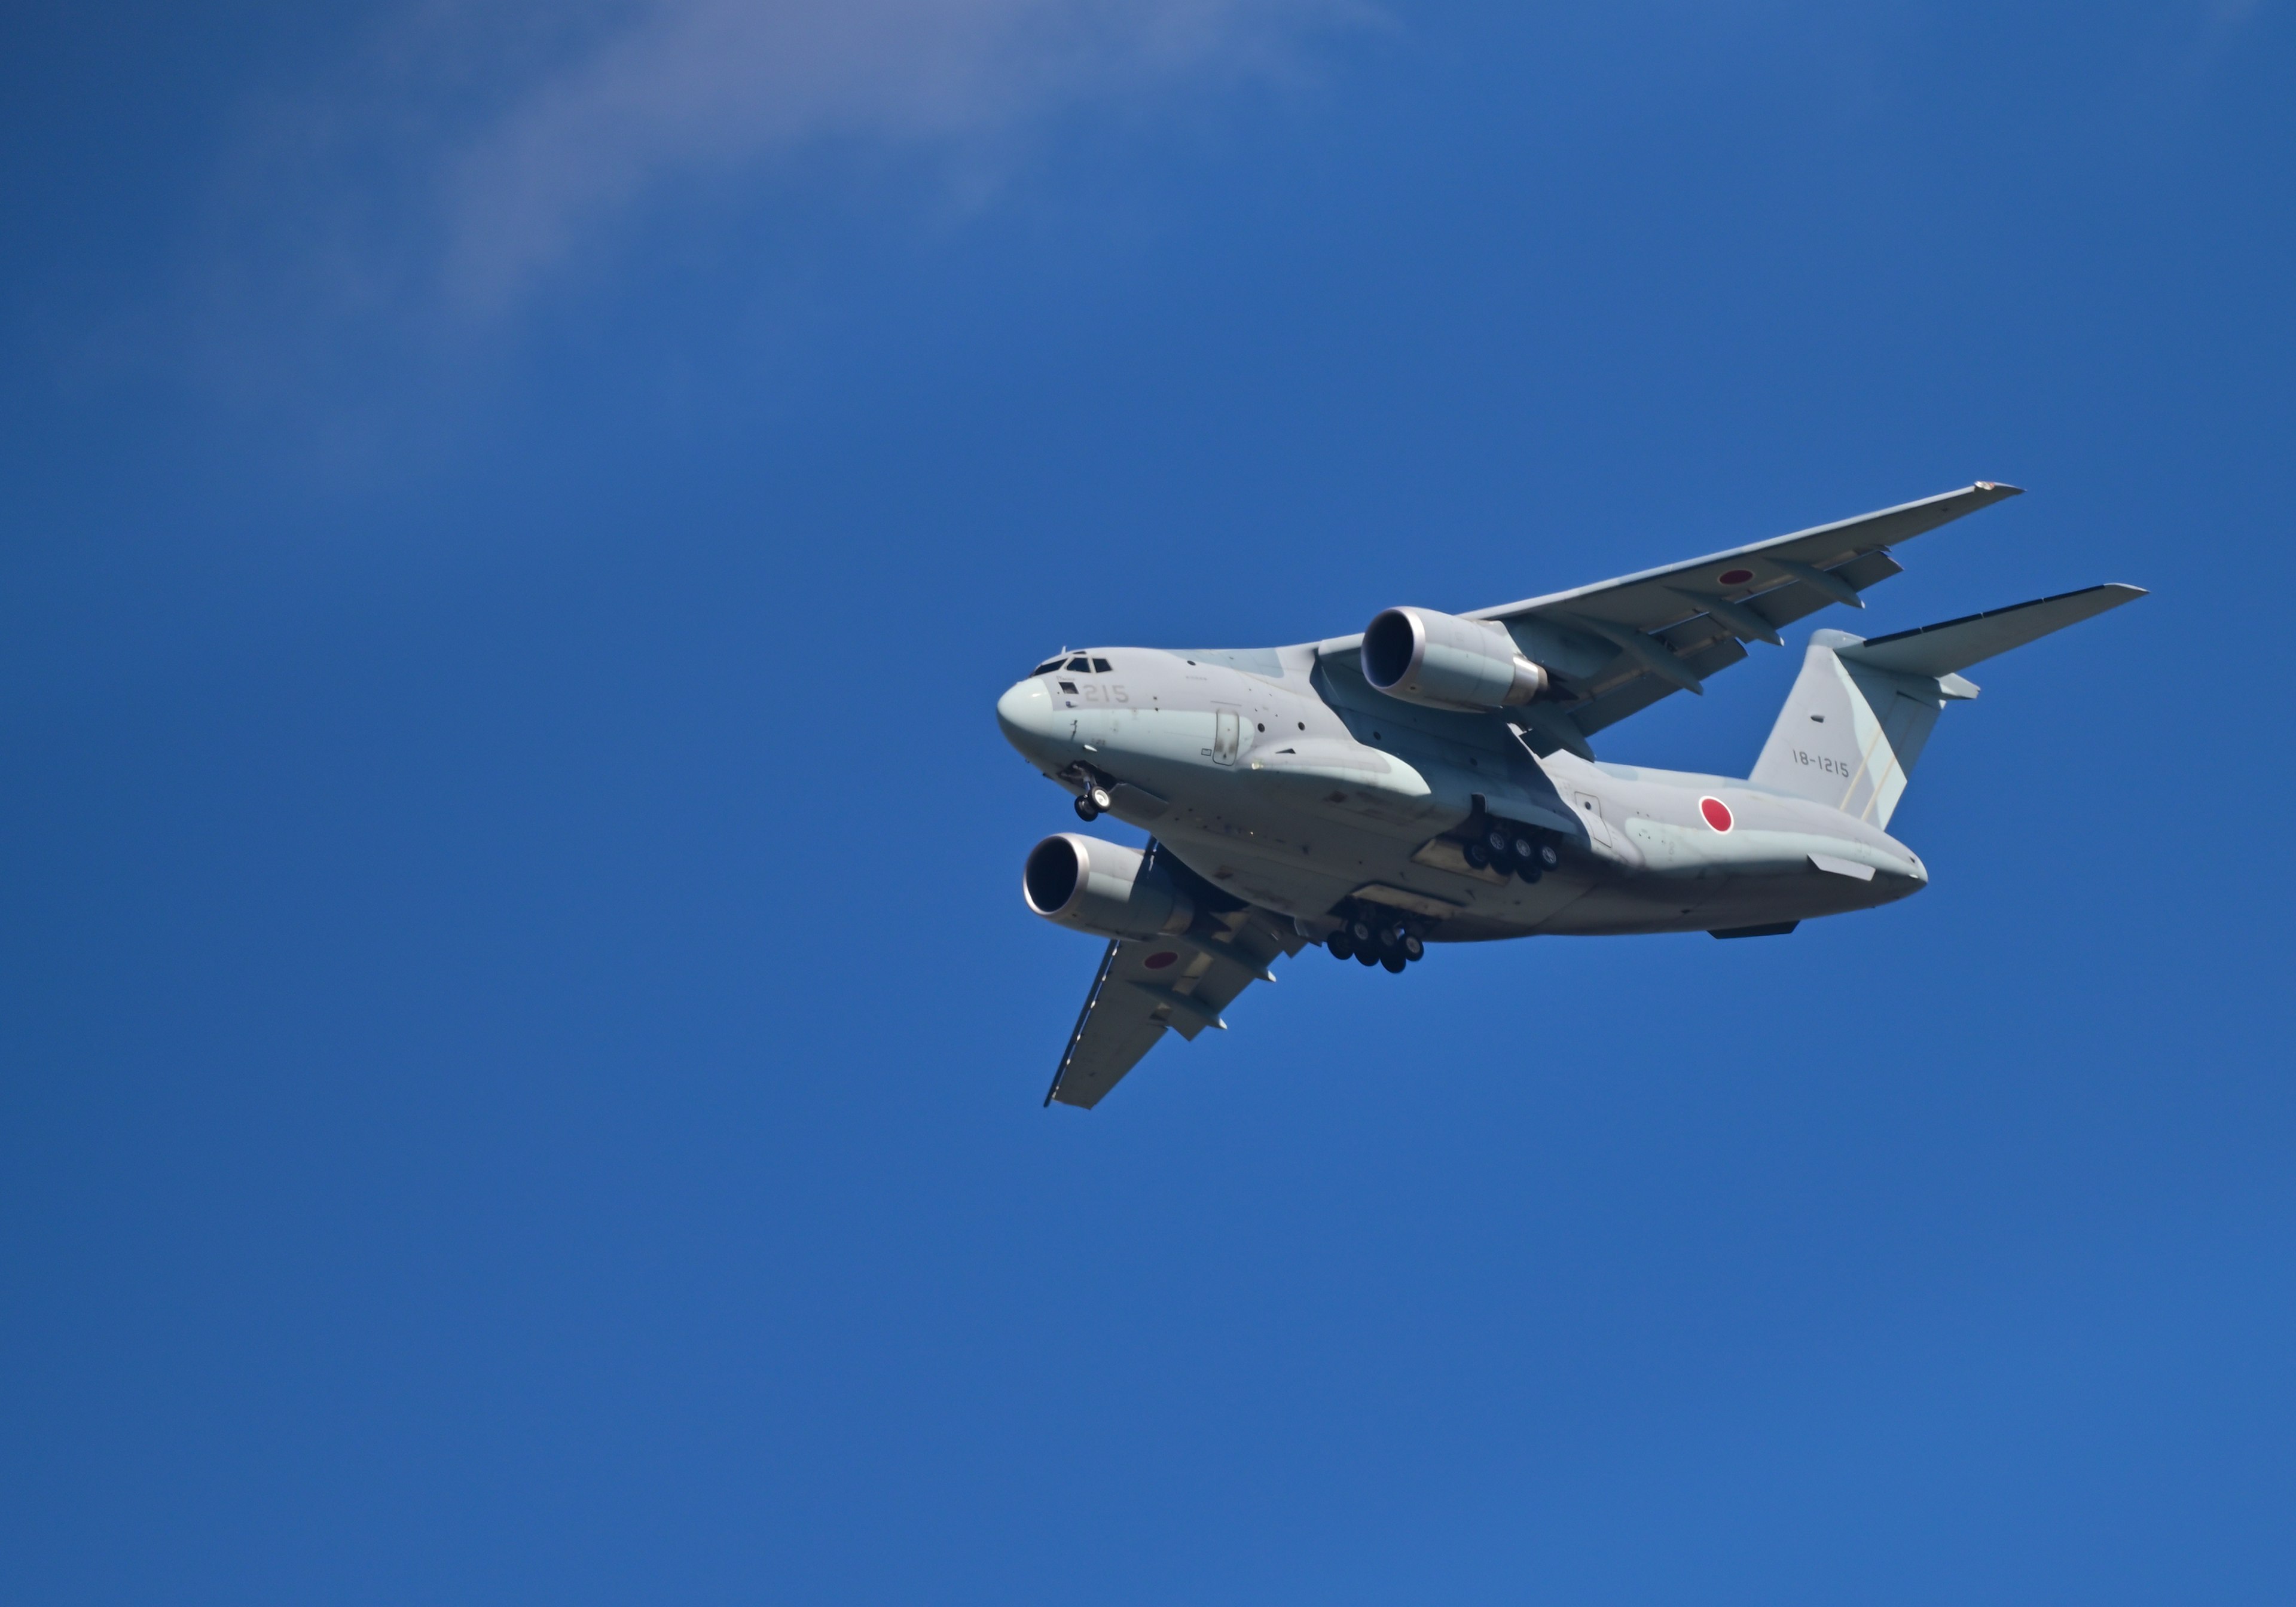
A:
{"x":1633,"y":696}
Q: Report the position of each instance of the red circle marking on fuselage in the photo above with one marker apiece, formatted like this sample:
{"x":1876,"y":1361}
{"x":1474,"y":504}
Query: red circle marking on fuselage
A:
{"x":1717,"y":813}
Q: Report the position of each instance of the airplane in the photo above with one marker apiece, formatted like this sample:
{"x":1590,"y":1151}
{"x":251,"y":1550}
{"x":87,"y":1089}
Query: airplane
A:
{"x":1431,"y":781}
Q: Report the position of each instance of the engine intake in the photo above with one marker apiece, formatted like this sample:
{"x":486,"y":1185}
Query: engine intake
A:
{"x":1103,"y":887}
{"x":1447,"y":662}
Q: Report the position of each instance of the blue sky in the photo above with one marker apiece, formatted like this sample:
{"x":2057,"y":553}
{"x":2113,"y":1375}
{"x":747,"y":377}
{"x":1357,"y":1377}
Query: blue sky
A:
{"x":521,"y":1042}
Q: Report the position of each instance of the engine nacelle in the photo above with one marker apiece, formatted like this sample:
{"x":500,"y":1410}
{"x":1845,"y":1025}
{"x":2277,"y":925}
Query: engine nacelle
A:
{"x":1447,"y":662}
{"x":1103,"y":887}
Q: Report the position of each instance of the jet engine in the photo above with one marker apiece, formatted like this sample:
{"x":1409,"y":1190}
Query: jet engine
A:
{"x":1103,"y":887}
{"x":1447,"y":662}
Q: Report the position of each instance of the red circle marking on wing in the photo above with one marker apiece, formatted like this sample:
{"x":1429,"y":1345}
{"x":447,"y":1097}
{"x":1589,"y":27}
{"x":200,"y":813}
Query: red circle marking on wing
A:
{"x":1157,"y":961}
{"x":1717,"y":813}
{"x":1735,"y":576}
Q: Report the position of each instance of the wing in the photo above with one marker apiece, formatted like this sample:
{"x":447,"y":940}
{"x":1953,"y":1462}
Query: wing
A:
{"x":1146,"y":987}
{"x":1617,"y":647}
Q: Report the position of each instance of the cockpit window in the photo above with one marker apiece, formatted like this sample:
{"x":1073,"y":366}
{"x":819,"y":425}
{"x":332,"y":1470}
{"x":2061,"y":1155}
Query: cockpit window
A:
{"x":1068,"y":685}
{"x":1082,"y":664}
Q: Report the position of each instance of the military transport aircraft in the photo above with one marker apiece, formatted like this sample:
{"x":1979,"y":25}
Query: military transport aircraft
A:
{"x":1431,"y":781}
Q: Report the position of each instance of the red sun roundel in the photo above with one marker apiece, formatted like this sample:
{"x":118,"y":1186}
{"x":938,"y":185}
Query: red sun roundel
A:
{"x":1735,"y":577}
{"x":1717,"y":813}
{"x":1157,"y":961}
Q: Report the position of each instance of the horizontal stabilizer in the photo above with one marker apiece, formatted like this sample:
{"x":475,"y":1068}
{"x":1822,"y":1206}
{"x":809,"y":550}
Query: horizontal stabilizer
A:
{"x":1941,"y":650}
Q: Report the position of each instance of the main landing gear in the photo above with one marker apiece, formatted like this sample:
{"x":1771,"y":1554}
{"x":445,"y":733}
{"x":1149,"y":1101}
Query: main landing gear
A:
{"x":1377,"y":937}
{"x":1511,"y":849}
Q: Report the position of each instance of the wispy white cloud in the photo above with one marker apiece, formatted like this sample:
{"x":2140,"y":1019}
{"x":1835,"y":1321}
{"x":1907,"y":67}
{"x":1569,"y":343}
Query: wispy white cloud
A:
{"x":662,"y":89}
{"x":376,"y":225}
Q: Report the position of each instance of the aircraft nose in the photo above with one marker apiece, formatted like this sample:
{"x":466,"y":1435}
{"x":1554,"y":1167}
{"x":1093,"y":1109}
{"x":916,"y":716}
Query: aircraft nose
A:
{"x":1024,"y":714}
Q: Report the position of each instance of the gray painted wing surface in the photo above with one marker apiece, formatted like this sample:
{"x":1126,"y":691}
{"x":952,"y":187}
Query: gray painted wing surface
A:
{"x":1941,"y":650}
{"x":1147,"y":987}
{"x":1780,"y":569}
{"x":1107,"y":1042}
{"x":1626,"y":644}
{"x":1619,"y":645}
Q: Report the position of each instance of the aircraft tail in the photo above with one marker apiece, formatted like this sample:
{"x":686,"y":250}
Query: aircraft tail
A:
{"x":1861,"y":711}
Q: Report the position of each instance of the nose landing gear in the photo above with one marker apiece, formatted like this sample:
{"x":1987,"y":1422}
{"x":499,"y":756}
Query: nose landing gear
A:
{"x":1095,"y":799}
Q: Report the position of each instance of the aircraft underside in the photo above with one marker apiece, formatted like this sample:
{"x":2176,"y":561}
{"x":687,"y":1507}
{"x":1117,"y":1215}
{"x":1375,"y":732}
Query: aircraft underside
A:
{"x":1581,"y":896}
{"x":1431,"y":780}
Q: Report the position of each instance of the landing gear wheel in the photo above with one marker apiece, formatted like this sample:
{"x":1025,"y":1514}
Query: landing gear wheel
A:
{"x":1413,"y":949}
{"x":1500,"y":841}
{"x":1364,"y":956}
{"x":1391,"y":939}
{"x":1342,"y":949}
{"x":1477,"y":854}
{"x":1395,"y":962}
{"x":1546,"y":857}
{"x":1361,"y":933}
{"x":1087,"y":809}
{"x":1518,"y":855}
{"x":1101,"y":798}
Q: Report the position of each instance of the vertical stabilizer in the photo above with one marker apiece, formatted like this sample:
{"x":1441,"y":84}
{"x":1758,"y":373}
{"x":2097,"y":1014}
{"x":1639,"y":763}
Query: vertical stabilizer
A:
{"x":1849,"y":733}
{"x":1857,"y":717}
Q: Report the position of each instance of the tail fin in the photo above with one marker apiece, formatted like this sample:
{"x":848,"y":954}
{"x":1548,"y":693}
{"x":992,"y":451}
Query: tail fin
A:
{"x":1859,"y":715}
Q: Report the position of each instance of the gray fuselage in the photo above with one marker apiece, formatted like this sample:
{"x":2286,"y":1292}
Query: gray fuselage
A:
{"x":1280,"y":776}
